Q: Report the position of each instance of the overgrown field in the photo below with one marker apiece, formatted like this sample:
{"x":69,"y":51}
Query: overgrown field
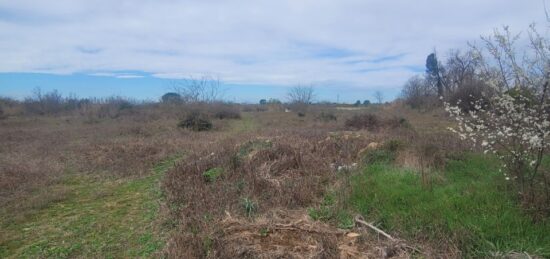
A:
{"x":247,"y":182}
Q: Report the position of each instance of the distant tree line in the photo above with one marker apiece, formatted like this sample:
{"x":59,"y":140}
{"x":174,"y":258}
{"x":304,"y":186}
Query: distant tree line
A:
{"x":54,"y":103}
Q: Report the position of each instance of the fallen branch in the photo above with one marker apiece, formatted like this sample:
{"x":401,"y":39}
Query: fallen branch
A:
{"x":374,"y":228}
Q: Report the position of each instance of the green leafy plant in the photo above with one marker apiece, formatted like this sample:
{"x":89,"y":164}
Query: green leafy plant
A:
{"x":212,"y":174}
{"x":264,"y":232}
{"x":345,"y":220}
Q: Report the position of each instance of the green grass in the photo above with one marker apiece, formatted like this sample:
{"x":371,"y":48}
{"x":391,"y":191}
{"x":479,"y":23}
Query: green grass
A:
{"x":329,"y":211}
{"x":245,"y":124}
{"x":469,"y":204}
{"x":252,"y":145}
{"x":212,"y":174}
{"x":101,"y":218}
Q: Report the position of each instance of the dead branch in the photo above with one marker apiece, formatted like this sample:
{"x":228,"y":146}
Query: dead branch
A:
{"x":358,"y":220}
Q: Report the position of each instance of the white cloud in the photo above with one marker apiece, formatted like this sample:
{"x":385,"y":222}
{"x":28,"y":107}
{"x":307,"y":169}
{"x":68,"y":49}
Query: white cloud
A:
{"x":257,"y":42}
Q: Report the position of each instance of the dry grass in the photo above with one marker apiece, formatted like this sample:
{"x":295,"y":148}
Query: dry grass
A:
{"x":271,"y":172}
{"x":37,"y":152}
{"x":269,"y":166}
{"x":292,"y":234}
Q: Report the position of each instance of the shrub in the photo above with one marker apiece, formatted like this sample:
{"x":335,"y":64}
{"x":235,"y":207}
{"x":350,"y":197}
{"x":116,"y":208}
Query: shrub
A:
{"x":261,"y":108}
{"x":364,"y":121}
{"x":515,"y":126}
{"x":393,"y":145}
{"x":227,"y":113}
{"x":326,"y":117}
{"x":466,"y":95}
{"x":249,"y":108}
{"x":397,"y":122}
{"x":196,"y":122}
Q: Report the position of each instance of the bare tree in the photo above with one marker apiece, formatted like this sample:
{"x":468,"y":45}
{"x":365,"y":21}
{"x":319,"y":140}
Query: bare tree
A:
{"x":300,"y":97}
{"x":378,"y":96}
{"x":460,"y":69}
{"x":205,"y":89}
{"x":418,"y":93}
{"x":301,"y":94}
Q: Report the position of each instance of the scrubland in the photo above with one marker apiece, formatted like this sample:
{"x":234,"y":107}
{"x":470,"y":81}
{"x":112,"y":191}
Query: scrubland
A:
{"x":263,"y":184}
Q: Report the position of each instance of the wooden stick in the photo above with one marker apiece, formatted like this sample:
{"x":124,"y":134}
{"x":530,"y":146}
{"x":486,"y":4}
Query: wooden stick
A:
{"x":374,"y":228}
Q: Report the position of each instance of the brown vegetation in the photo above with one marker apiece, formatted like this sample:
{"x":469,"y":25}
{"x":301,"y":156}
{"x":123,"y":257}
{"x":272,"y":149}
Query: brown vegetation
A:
{"x":239,"y":191}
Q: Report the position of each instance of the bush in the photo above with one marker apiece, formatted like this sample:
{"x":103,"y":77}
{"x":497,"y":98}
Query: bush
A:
{"x":466,"y":95}
{"x":326,"y":117}
{"x":364,"y":121}
{"x":398,"y":122}
{"x":227,"y":113}
{"x":393,"y":145}
{"x":114,"y":107}
{"x":196,"y":122}
{"x":372,"y":122}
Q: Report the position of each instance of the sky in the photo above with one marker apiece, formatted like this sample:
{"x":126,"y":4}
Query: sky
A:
{"x":346,"y":49}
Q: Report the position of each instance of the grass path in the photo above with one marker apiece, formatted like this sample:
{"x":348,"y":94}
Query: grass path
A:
{"x":100,"y":218}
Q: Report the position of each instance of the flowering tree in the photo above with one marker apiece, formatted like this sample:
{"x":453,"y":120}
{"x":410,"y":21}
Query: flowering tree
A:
{"x":513,"y":120}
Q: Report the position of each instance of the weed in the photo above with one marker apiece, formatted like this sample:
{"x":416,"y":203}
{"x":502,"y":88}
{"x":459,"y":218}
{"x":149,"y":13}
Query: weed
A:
{"x":249,"y":206}
{"x":345,"y":220}
{"x":240,"y":185}
{"x":212,"y":174}
{"x":264,"y":232}
{"x":325,"y":211}
{"x":207,"y":244}
{"x":322,"y":213}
